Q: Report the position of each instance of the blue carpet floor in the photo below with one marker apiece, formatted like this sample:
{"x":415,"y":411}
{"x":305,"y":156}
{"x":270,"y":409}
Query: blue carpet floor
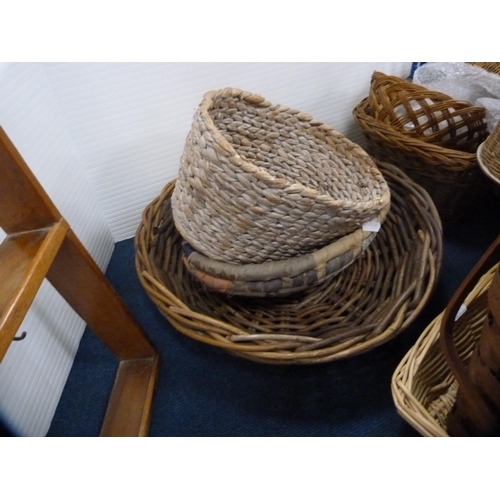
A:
{"x":203,"y":391}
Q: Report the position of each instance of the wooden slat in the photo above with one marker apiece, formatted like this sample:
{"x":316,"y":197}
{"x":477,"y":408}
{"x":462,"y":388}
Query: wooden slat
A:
{"x":26,"y":258}
{"x":129,"y":409}
{"x":40,"y":244}
{"x":83,"y":285}
{"x":24,"y":205}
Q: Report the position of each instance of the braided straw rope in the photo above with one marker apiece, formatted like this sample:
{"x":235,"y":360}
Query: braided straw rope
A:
{"x":259,"y":181}
{"x":282,"y":277}
{"x":423,"y":387}
{"x":367,"y":304}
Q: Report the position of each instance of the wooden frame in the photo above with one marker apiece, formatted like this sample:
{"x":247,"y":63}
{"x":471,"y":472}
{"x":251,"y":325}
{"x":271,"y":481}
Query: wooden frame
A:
{"x":40,"y":244}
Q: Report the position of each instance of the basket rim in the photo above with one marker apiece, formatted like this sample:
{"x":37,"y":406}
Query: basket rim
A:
{"x":484,"y":165}
{"x":282,"y":183}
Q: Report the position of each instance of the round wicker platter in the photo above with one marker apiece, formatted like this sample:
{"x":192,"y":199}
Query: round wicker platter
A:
{"x":365,"y":305}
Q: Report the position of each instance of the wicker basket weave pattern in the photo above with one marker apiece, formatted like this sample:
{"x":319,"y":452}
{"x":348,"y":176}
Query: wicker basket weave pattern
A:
{"x":489,"y":155}
{"x":423,"y":386}
{"x":426,"y":114}
{"x":259,"y":181}
{"x":452,"y":177}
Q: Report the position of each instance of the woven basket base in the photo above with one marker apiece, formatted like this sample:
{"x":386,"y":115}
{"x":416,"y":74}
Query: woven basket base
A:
{"x":423,"y":387}
{"x":365,"y":305}
{"x":280,"y":278}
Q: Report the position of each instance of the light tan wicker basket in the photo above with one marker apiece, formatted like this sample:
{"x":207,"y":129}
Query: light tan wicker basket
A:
{"x":488,"y":155}
{"x":423,"y":386}
{"x":259,"y":181}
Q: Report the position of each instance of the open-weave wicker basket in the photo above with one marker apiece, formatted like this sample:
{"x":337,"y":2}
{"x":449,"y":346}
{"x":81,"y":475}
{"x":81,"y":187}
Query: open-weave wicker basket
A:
{"x":452,"y":177}
{"x":425,"y":114}
{"x":423,"y":386}
{"x":492,"y":67}
{"x":368,"y":303}
{"x":259,"y":181}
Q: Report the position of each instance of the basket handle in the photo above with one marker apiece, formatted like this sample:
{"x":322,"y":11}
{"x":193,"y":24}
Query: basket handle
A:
{"x":485,"y":263}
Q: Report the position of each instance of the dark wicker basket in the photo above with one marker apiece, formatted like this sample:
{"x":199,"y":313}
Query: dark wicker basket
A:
{"x":367,"y":304}
{"x":451,"y":177}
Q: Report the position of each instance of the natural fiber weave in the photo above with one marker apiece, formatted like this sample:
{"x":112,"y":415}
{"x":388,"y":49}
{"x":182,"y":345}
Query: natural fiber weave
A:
{"x":283,"y":277}
{"x":365,"y":305}
{"x":425,"y":114}
{"x":423,"y":387}
{"x":492,"y":67}
{"x":489,"y":155}
{"x":452,"y":177}
{"x":259,"y":181}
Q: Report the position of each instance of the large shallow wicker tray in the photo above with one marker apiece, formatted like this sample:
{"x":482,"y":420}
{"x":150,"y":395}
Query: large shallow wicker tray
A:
{"x":423,"y":386}
{"x":367,"y":304}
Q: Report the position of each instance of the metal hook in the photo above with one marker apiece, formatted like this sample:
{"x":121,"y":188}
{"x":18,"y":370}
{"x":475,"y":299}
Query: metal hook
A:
{"x":21,"y":337}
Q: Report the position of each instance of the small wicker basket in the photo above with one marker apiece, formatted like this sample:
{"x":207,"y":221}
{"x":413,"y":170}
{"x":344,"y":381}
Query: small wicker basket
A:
{"x":365,"y":305}
{"x":427,"y":115}
{"x":452,"y":177}
{"x":259,"y":181}
{"x":424,"y":386}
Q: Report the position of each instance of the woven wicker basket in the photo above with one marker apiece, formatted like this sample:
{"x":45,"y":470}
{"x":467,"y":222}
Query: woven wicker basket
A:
{"x":283,"y":277}
{"x":492,"y":67}
{"x":427,"y":115}
{"x":259,"y":181}
{"x":368,"y":303}
{"x":488,"y":155}
{"x":451,"y":177}
{"x":424,"y":387}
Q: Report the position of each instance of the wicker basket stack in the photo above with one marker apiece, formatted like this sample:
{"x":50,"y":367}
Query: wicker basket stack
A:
{"x":431,"y":135}
{"x":266,"y":195}
{"x":368,"y":303}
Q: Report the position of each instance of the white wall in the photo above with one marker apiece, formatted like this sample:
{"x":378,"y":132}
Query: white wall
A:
{"x":34,"y":370}
{"x":103,"y":139}
{"x":129,"y":120}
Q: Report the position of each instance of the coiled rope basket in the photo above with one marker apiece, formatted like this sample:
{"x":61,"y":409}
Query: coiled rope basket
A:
{"x":368,"y":303}
{"x":258,"y":181}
